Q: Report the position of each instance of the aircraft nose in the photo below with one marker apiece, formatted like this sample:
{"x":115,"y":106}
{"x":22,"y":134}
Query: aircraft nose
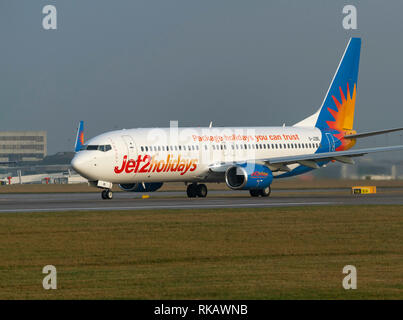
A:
{"x":79,"y":163}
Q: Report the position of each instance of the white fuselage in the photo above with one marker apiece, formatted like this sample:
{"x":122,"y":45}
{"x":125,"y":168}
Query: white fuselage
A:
{"x":186,"y":154}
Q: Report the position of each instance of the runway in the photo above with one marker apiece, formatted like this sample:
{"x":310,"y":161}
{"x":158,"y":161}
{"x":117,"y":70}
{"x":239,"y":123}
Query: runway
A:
{"x":56,"y":202}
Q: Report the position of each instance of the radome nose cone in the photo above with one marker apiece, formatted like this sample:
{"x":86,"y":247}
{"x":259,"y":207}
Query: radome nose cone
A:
{"x":77,"y":163}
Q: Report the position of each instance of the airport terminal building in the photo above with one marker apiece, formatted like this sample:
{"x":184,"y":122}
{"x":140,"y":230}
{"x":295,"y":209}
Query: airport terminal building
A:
{"x":22,"y":145}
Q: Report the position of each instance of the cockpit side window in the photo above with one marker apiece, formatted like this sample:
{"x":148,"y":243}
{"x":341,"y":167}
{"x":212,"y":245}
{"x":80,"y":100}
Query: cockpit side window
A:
{"x":103,"y":148}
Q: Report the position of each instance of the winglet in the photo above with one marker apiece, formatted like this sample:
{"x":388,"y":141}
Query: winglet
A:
{"x":80,"y":137}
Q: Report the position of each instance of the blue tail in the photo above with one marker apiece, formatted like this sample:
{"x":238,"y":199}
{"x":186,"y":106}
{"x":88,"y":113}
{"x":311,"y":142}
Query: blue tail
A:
{"x":337,"y":109}
{"x":80,"y":137}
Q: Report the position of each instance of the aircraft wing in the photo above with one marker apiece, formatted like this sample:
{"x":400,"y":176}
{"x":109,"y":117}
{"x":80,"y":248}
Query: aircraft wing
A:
{"x":309,"y":160}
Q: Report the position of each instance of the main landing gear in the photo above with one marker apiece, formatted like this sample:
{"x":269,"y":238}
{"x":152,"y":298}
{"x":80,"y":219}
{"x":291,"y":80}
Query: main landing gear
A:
{"x":107,"y":194}
{"x":260,"y":192}
{"x":196,"y":190}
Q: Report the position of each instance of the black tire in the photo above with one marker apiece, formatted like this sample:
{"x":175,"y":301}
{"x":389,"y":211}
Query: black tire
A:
{"x":103,"y":194}
{"x":108,"y":194}
{"x":201,"y":190}
{"x":191,"y":190}
{"x":254,"y":192}
{"x":265,"y":192}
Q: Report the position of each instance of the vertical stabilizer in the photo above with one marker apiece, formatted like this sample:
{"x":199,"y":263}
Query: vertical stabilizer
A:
{"x":80,"y":137}
{"x":338,"y":106}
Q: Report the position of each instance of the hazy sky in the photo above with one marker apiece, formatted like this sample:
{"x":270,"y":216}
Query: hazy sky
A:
{"x":125,"y":64}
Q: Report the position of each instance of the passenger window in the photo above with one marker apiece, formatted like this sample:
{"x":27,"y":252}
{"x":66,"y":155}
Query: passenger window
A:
{"x":142,"y":149}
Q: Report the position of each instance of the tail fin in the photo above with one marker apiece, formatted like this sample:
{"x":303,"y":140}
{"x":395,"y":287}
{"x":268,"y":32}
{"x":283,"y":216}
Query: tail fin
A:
{"x":80,"y":137}
{"x":337,"y":110}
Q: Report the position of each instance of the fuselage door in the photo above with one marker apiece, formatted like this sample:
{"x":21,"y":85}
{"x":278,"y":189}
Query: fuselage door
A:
{"x":330,"y":139}
{"x":131,"y":146}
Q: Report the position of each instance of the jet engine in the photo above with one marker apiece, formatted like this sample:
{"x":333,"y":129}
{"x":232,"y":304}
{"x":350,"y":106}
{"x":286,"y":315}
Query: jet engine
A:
{"x":248,"y":176}
{"x":138,"y":187}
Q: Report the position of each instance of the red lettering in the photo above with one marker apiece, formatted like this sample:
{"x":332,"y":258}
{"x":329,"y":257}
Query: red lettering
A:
{"x":117,"y":170}
{"x":130,"y":166}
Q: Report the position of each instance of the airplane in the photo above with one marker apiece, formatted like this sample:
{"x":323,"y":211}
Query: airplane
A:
{"x":244,"y":158}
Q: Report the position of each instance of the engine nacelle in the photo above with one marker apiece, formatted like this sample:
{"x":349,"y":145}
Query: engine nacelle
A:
{"x":248,"y":176}
{"x":138,"y":187}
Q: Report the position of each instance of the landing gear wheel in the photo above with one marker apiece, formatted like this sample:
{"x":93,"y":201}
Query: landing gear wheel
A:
{"x":254,"y":192}
{"x":192,"y":190}
{"x":107,"y":194}
{"x":201,"y":190}
{"x":265,"y":192}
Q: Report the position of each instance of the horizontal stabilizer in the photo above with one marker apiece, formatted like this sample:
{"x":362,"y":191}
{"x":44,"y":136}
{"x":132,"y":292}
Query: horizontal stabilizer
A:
{"x":371,"y":133}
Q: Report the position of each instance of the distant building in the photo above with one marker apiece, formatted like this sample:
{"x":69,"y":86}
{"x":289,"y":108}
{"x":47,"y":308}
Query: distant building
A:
{"x":22,"y":145}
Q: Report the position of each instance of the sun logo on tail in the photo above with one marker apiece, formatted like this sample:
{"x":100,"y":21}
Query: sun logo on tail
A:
{"x":81,"y":138}
{"x":343,"y":117}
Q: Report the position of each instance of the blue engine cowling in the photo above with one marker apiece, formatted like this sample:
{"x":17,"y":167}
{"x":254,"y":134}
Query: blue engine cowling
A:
{"x":248,"y":176}
{"x":138,"y":187}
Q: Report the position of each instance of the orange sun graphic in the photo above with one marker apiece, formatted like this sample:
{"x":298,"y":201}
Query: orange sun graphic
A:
{"x":81,"y":137}
{"x":343,"y":117}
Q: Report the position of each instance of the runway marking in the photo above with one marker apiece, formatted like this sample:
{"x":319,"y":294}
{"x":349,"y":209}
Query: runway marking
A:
{"x":189,"y":206}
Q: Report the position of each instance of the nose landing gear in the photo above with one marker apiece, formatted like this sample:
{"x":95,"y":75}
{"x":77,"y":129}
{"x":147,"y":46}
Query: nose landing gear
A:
{"x":107,"y":194}
{"x":196,"y":190}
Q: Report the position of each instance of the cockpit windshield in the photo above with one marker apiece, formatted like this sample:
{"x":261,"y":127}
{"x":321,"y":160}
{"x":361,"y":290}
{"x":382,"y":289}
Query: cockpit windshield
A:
{"x":103,"y":148}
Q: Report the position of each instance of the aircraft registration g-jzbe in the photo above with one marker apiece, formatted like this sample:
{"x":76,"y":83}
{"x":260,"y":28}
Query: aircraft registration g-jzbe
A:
{"x":245,"y":158}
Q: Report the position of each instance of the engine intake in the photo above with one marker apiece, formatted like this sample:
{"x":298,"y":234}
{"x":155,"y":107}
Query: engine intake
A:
{"x":248,"y":176}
